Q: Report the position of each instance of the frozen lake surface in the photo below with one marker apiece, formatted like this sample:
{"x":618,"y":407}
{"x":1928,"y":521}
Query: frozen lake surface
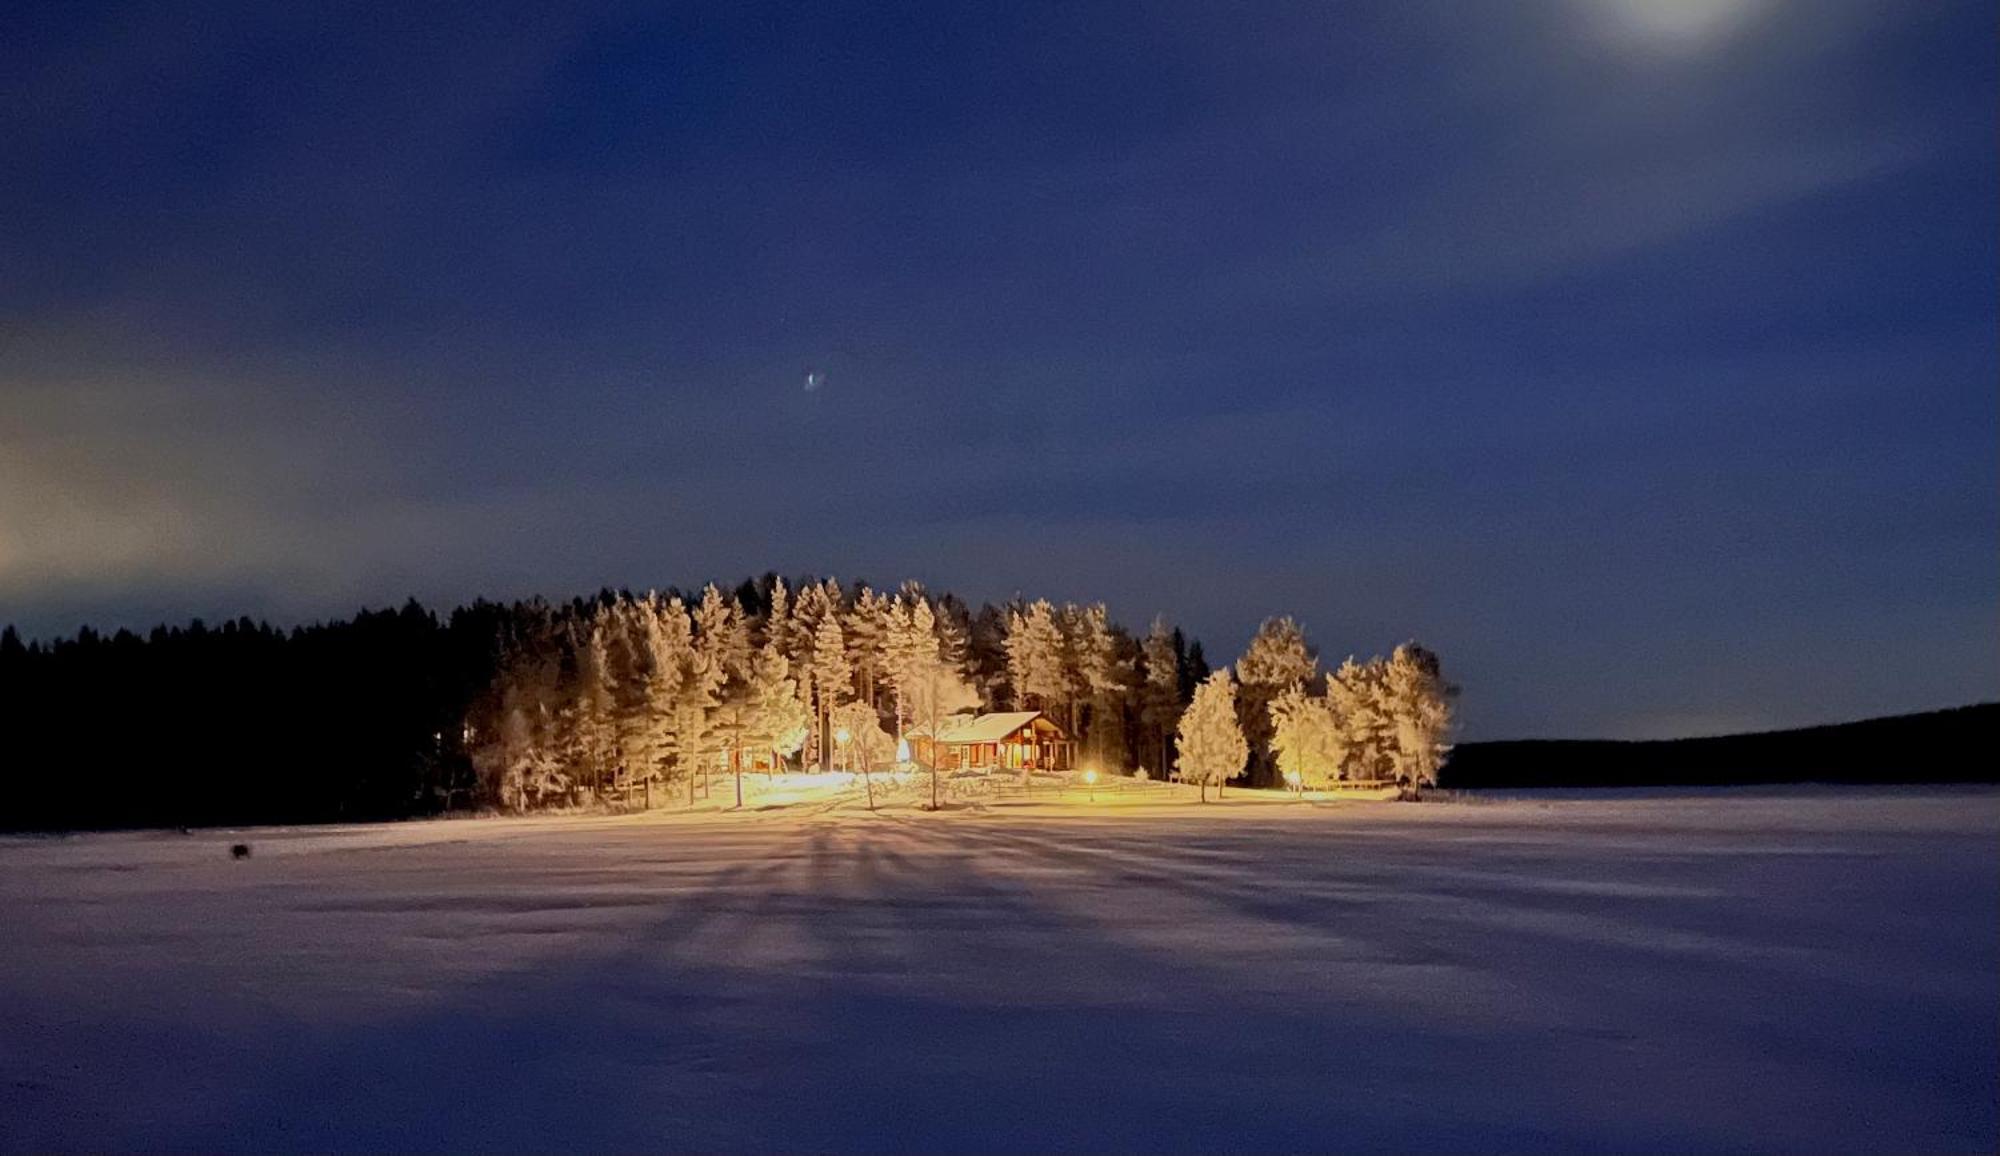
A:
{"x":1776,"y":970}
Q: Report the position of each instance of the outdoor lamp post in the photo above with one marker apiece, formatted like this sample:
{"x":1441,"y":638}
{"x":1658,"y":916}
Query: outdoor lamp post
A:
{"x":1090,"y":780}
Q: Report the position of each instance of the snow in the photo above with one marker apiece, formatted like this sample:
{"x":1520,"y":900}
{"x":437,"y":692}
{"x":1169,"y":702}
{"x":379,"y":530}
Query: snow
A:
{"x":1800,"y":969}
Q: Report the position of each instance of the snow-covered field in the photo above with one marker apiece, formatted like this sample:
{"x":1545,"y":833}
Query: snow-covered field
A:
{"x":1801,"y":969}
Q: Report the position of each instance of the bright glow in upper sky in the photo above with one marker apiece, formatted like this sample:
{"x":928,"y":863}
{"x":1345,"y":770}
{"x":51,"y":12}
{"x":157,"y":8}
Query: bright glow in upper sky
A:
{"x":1677,"y":24}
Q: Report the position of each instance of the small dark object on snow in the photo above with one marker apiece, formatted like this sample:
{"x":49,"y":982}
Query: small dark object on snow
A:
{"x":239,"y":851}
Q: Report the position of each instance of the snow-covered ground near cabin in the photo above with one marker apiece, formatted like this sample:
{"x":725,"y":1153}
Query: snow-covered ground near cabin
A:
{"x":1784,"y":969}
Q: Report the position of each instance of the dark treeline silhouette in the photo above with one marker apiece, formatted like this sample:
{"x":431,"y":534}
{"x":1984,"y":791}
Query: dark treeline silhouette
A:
{"x":403,"y":713}
{"x":1944,"y":746}
{"x":242,"y":722}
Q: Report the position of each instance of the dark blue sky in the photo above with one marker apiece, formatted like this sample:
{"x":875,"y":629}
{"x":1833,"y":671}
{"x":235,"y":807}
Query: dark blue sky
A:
{"x":1638,"y":355}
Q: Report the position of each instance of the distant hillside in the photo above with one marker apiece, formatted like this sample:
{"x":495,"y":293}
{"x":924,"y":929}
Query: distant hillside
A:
{"x":1943,"y":746}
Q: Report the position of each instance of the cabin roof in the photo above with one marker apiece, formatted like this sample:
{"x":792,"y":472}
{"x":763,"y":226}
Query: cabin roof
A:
{"x":980,"y":728}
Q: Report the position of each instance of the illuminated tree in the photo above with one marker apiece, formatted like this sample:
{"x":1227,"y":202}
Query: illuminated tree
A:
{"x":774,"y":717}
{"x":1210,"y":741}
{"x":1160,"y":690}
{"x":1356,"y":697}
{"x":1035,"y":657}
{"x":1277,"y":660}
{"x":723,"y":635}
{"x":1095,"y":672}
{"x":862,"y":742}
{"x":936,"y":691}
{"x":910,"y":640}
{"x":1418,"y":704}
{"x":866,"y":629}
{"x":592,"y":729}
{"x":1306,"y":739}
{"x":832,"y":676}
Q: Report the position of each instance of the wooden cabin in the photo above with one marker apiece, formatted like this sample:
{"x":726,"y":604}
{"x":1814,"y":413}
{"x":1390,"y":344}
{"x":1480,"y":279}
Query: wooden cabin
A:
{"x":1010,"y":740}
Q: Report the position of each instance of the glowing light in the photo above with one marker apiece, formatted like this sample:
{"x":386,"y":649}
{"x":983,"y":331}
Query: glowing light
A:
{"x":1292,"y":777}
{"x":842,"y":736}
{"x":1090,"y":776}
{"x":1675,"y":24}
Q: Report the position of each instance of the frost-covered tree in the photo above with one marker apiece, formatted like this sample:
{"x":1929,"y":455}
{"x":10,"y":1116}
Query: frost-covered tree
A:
{"x":1094,"y":671}
{"x":1306,"y":739}
{"x":1356,"y":697}
{"x":626,"y":623}
{"x":1159,"y":693}
{"x":723,"y":635}
{"x":774,"y":717}
{"x":1210,"y":740}
{"x":1418,"y":702}
{"x":954,"y":635}
{"x":616,"y":691}
{"x":782,"y":626}
{"x":1035,"y":657}
{"x":934,"y":691}
{"x":832,"y":676}
{"x":910,"y":641}
{"x":593,"y":735}
{"x":1277,"y":660}
{"x":862,"y":742}
{"x":866,"y":631}
{"x":669,"y":643}
{"x":517,"y":752}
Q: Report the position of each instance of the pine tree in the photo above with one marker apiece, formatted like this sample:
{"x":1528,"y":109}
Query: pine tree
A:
{"x":833,"y":677}
{"x":1194,"y":665}
{"x":1160,"y":692}
{"x":593,"y":728}
{"x":1357,"y":699}
{"x":866,"y":629}
{"x":668,"y":640}
{"x":1035,"y":657}
{"x":1418,"y":704}
{"x":1210,"y":740}
{"x":1277,"y":660}
{"x":1096,"y":673}
{"x":954,"y":635}
{"x":774,"y":717}
{"x":911,"y":639}
{"x":632,"y":708}
{"x":781,"y":628}
{"x":986,"y":663}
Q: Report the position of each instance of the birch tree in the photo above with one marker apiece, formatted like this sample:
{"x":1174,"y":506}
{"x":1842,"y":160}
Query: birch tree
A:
{"x":865,"y":743}
{"x":936,"y":690}
{"x":1211,"y":743}
{"x":1306,"y":739}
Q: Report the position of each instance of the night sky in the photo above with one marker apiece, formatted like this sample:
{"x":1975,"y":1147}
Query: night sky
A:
{"x":1639,"y":356}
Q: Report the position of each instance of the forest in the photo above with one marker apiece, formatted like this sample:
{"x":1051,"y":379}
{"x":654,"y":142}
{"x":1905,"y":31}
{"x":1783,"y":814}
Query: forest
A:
{"x":632,"y":700}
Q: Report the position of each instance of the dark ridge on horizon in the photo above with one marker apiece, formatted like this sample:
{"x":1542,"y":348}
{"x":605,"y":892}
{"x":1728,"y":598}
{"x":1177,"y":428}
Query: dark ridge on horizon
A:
{"x":1937,"y":746}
